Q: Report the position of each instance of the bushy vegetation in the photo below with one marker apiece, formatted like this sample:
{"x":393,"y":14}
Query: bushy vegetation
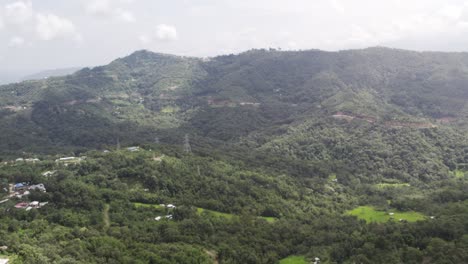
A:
{"x":103,"y":209}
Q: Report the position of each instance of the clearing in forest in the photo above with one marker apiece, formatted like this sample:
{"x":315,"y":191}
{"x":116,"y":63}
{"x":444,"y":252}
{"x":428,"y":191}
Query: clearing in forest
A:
{"x":294,"y":260}
{"x":459,"y":173}
{"x":370,"y":214}
{"x":392,"y":185}
{"x":230,"y":216}
{"x":157,"y":206}
{"x":105,"y":216}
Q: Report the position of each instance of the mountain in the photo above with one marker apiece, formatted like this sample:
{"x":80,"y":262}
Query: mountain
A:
{"x":311,"y":106}
{"x":267,"y":156}
{"x":50,"y":73}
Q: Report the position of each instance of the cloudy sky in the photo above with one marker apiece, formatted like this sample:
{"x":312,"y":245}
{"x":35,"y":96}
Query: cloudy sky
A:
{"x":48,"y":34}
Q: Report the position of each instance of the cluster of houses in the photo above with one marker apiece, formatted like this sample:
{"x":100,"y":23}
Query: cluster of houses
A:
{"x":133,"y":149}
{"x":21,"y":160}
{"x":67,"y":160}
{"x":32,"y":205}
{"x":159,"y":218}
{"x":168,"y":206}
{"x":27,"y":160}
{"x":169,"y":216}
{"x":23,"y":189}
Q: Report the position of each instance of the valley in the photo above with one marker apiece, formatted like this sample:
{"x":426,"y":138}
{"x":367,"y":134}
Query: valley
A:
{"x":266,"y":156}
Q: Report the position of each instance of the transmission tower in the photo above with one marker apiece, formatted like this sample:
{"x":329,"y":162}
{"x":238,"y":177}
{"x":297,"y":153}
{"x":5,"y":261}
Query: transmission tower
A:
{"x":187,"y":147}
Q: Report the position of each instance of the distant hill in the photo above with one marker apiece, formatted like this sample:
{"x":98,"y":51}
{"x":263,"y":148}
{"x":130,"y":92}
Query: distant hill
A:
{"x":298,"y":105}
{"x":9,"y":76}
{"x":50,"y":73}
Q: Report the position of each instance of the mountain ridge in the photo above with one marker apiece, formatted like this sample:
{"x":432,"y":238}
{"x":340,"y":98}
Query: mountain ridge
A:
{"x":269,"y":100}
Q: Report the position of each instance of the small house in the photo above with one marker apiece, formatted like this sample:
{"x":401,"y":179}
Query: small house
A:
{"x":21,"y":205}
{"x":38,"y":187}
{"x":48,"y":173}
{"x":20,"y":187}
{"x":133,"y":149}
{"x":66,"y":159}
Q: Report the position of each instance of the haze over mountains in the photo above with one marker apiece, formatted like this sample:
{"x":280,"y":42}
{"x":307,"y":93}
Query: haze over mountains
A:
{"x":50,"y":73}
{"x":7,"y":77}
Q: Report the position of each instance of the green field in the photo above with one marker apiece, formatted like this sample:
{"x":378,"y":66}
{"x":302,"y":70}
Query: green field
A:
{"x":392,"y":185}
{"x":215,"y":213}
{"x":169,"y":109}
{"x":201,"y":210}
{"x":370,"y":214}
{"x":459,"y":173}
{"x":269,"y":219}
{"x":294,"y":260}
{"x":157,"y":206}
{"x":230,"y":216}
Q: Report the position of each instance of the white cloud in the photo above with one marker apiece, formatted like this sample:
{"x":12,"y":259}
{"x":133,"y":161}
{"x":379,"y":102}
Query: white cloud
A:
{"x":338,"y":6}
{"x":291,"y":45}
{"x":99,"y":7}
{"x":106,"y":9}
{"x":451,"y":12}
{"x":18,"y":12}
{"x":125,"y":15}
{"x":50,"y":26}
{"x":163,"y":33}
{"x":16,"y":41}
{"x":166,"y":32}
{"x":144,"y":39}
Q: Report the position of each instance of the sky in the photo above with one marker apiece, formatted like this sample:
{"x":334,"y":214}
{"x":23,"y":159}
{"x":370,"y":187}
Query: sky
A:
{"x":49,"y":34}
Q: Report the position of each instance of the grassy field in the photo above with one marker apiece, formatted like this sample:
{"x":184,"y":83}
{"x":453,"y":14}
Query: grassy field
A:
{"x":294,"y":260}
{"x":459,"y":173}
{"x":201,"y":210}
{"x":392,"y":185}
{"x":370,"y":214}
{"x":215,"y":213}
{"x":157,"y":206}
{"x":269,"y":219}
{"x":230,"y":216}
{"x":169,"y":109}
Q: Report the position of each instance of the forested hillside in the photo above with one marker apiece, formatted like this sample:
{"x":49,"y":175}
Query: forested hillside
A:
{"x":356,"y":156}
{"x":260,"y":87}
